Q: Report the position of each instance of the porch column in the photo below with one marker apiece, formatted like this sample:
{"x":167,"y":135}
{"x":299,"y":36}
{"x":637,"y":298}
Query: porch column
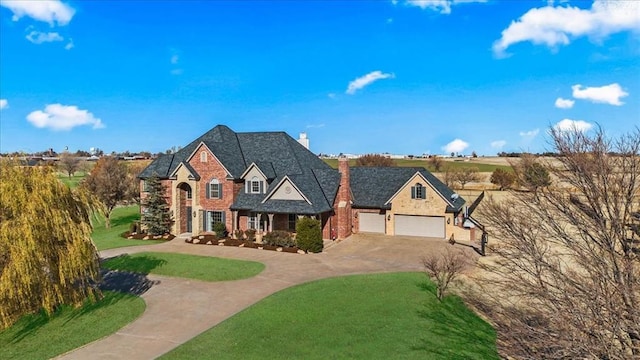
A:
{"x":270,"y":222}
{"x":234,"y":222}
{"x":259,"y":229}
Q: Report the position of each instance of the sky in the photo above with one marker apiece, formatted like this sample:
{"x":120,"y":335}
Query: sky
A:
{"x":402,"y":76}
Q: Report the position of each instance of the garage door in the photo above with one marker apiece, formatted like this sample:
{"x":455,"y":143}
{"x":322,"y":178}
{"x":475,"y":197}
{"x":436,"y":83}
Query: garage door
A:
{"x":370,"y":222}
{"x":429,"y":226}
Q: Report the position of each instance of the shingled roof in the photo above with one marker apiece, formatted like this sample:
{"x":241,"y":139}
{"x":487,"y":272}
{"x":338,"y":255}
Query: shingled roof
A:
{"x":373,"y":187}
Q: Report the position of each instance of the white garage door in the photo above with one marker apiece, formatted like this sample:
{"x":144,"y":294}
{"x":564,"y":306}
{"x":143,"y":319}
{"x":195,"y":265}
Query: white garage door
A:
{"x":428,"y":226}
{"x":371,"y":222}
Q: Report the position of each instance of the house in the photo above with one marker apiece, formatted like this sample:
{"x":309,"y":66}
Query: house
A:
{"x":268,"y":180}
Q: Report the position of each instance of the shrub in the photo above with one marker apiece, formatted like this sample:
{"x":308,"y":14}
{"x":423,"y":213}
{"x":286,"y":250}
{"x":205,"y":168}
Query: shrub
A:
{"x":239,"y":234}
{"x":220,"y":229}
{"x":309,"y":235}
{"x":250,"y":234}
{"x":134,"y":227}
{"x":279,"y":238}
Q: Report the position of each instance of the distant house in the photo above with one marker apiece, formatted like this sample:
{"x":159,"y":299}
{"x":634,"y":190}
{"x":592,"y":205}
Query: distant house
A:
{"x":268,"y":180}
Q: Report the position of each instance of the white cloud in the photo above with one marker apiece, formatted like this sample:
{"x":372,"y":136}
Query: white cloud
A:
{"x":553,"y":26}
{"x":365,"y":80}
{"x":441,"y":6}
{"x":456,"y":146}
{"x":608,"y":94}
{"x":4,"y":104}
{"x":49,"y":11}
{"x":62,"y":117}
{"x":498,"y":144}
{"x":38,"y":37}
{"x":571,"y":125}
{"x":564,"y":103}
{"x":530,"y":133}
{"x":174,"y":59}
{"x":69,"y":45}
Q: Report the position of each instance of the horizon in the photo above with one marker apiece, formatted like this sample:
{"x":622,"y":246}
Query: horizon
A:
{"x":400,"y":77}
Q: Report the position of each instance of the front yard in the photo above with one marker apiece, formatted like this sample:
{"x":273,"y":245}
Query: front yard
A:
{"x":121,"y":218}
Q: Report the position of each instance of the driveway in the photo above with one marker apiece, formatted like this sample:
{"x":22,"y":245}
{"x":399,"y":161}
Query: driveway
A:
{"x":180,"y":309}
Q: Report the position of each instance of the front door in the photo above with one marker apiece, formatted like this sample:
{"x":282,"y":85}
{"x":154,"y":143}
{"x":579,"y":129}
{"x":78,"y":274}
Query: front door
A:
{"x":189,"y":219}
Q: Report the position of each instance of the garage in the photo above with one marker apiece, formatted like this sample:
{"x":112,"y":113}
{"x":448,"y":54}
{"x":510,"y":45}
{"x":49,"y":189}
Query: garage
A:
{"x":371,"y":222}
{"x":414,"y":225}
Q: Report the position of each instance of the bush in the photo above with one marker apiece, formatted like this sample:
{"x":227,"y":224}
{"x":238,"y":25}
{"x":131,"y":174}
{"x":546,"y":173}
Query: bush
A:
{"x":309,"y":235}
{"x":134,"y":227}
{"x":239,"y":234}
{"x":250,"y":234}
{"x":220,"y":229}
{"x":279,"y":238}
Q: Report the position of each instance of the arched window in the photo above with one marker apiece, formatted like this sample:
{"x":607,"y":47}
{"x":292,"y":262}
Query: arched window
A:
{"x":203,"y":156}
{"x":418,"y":191}
{"x":214,"y":189}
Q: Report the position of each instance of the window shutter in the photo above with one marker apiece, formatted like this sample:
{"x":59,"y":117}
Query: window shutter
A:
{"x":261,"y":187}
{"x":220,"y":191}
{"x":203,"y":215}
{"x":424,"y":192}
{"x":246,"y":186}
{"x":413,"y":192}
{"x":222,"y":217}
{"x":208,"y":190}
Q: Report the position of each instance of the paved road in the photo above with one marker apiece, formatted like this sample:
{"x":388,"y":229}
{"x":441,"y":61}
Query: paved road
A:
{"x":180,"y":309}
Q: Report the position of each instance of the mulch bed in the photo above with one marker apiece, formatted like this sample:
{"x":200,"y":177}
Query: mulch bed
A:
{"x":208,"y":239}
{"x":143,"y":236}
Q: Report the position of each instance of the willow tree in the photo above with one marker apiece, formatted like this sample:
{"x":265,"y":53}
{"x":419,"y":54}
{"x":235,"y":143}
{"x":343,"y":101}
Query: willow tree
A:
{"x":46,"y":254}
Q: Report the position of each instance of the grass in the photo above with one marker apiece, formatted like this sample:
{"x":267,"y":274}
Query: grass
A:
{"x":120,"y":219}
{"x":425,"y":163}
{"x":41,"y":337}
{"x":204,"y":268}
{"x":72,"y":181}
{"x":382,"y":316}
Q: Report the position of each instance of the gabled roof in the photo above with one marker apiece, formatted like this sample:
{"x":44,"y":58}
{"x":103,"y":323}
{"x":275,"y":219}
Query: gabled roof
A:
{"x":160,"y":166}
{"x":265,"y":168}
{"x":193,"y":174}
{"x":373,"y":187}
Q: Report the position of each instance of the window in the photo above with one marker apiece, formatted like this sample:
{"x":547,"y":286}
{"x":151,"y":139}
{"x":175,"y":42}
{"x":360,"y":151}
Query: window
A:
{"x":211,"y":218}
{"x":418,"y":192}
{"x":189,"y":194}
{"x":256,"y":185}
{"x":145,"y":186}
{"x":253,"y":222}
{"x":292,"y":222}
{"x":203,"y":156}
{"x":214,"y":189}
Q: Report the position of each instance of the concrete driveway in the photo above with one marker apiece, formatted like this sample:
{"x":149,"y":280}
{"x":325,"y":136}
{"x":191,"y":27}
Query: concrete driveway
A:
{"x":180,"y":309}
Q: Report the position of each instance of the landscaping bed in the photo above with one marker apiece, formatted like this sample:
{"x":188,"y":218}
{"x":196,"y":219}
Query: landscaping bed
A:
{"x":144,"y":236}
{"x":212,"y":239}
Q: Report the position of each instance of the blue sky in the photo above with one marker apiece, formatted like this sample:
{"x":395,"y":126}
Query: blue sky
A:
{"x":407,"y":77}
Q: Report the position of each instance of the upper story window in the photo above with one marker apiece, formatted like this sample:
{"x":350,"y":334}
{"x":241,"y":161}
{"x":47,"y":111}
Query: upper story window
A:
{"x":418,"y":191}
{"x":203,"y":156}
{"x":214,"y":189}
{"x":256,"y":185}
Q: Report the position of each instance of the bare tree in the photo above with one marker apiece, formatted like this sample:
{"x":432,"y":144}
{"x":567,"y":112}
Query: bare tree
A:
{"x":466,"y":175}
{"x":565,"y":277}
{"x":503,"y":178}
{"x":108,"y":183}
{"x":436,"y":163}
{"x":530,"y":173}
{"x":374,"y":160}
{"x":444,"y":268}
{"x":69,"y":163}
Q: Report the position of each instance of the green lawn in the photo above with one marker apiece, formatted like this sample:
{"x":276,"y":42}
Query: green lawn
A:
{"x":382,"y":316}
{"x":72,"y":181}
{"x":120,"y":219}
{"x":204,"y":268}
{"x":425,"y":163}
{"x":41,"y":337}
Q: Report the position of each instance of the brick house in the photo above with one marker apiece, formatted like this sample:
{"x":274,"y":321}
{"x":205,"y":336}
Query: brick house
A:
{"x":267,"y":180}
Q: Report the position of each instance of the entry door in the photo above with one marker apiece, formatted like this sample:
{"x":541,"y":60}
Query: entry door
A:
{"x":189,"y":219}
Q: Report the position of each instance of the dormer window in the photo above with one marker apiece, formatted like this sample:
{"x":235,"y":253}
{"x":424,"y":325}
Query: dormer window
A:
{"x":256,"y":185}
{"x":418,"y":191}
{"x":214,"y":189}
{"x":203,"y":156}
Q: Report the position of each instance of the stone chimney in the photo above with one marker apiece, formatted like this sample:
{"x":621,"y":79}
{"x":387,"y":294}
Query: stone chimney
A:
{"x":342,"y":204}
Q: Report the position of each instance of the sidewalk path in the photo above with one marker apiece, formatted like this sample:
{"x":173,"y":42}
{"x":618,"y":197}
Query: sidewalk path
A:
{"x":180,"y":309}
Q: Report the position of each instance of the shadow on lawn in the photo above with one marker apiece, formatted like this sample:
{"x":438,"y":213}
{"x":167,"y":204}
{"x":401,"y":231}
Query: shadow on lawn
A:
{"x":125,"y":220}
{"x":137,"y":264}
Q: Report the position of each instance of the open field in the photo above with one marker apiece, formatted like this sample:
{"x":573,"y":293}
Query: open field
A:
{"x":41,"y":337}
{"x":480,"y":163}
{"x":394,"y":316}
{"x":120,"y":219}
{"x":204,"y":268}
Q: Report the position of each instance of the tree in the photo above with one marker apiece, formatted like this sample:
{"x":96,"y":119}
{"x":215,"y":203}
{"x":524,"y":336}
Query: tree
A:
{"x":531,"y":174}
{"x":69,"y":163}
{"x":134,"y":169}
{"x":107,"y":182}
{"x":46,"y":254}
{"x":466,"y":175}
{"x":436,"y":162}
{"x":565,"y":278}
{"x":155,"y":210}
{"x":445,"y":268}
{"x":374,"y":160}
{"x":503,"y":178}
{"x":309,"y":235}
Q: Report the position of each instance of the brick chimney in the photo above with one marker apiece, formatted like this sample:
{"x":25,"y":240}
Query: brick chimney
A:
{"x":342,"y":204}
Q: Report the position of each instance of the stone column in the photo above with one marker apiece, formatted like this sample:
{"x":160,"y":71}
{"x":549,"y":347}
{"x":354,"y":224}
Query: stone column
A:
{"x":270,"y":222}
{"x":234,"y":222}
